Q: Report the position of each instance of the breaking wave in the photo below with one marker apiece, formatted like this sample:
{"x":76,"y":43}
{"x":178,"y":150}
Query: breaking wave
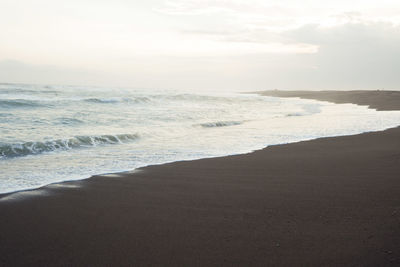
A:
{"x":220,"y":124}
{"x":31,"y":102}
{"x":18,"y":103}
{"x":33,"y":148}
{"x":295,"y":114}
{"x":117,"y":100}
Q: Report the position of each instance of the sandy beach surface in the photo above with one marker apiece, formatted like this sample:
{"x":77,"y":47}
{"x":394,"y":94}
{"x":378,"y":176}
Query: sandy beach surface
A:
{"x":378,"y":99}
{"x":326,"y":202}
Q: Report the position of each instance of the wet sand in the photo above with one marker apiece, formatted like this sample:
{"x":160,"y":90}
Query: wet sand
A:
{"x":378,"y":99}
{"x":325,"y":202}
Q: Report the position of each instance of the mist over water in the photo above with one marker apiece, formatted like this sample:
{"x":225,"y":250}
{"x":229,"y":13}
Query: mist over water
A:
{"x":55,"y":133}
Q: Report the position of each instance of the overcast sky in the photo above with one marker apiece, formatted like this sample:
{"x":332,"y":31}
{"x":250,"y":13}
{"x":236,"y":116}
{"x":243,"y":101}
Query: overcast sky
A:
{"x":202,"y":44}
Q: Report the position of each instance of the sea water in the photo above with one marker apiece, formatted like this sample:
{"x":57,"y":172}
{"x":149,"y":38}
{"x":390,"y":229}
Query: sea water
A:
{"x":50,"y":134}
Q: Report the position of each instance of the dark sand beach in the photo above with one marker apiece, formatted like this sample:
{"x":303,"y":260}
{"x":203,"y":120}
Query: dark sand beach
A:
{"x":378,"y":99}
{"x":326,"y":202}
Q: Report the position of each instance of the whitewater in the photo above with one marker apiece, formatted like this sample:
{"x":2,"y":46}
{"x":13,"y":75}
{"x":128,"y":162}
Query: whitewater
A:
{"x":50,"y":134}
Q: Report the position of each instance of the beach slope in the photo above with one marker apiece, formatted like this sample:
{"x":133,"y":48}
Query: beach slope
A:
{"x":326,"y":202}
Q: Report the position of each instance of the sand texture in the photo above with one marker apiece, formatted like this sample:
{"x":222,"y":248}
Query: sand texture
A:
{"x":326,"y":202}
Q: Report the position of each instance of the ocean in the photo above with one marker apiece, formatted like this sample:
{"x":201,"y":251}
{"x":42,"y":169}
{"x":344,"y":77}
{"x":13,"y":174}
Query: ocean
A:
{"x":50,"y":134}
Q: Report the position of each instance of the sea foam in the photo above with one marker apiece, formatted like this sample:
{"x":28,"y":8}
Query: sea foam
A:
{"x":53,"y":133}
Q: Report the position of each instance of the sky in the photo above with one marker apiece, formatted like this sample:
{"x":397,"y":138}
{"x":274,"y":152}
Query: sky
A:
{"x":235,"y":45}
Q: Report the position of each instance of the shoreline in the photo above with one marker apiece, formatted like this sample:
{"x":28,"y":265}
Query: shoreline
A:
{"x":326,"y":201}
{"x":29,"y":192}
{"x":383,"y":100}
{"x":325,"y":96}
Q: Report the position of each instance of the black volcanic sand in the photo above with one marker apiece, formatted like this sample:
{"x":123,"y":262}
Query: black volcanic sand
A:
{"x":326,"y":202}
{"x":380,"y":100}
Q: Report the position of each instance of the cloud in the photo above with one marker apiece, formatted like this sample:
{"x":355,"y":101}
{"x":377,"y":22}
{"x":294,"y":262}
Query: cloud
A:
{"x":361,"y":32}
{"x":236,"y":44}
{"x":270,"y":23}
{"x":195,"y":7}
{"x":350,"y":56}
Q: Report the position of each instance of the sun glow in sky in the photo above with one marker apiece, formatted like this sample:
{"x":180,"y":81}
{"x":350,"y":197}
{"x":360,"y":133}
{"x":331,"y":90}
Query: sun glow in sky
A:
{"x":208,"y":44}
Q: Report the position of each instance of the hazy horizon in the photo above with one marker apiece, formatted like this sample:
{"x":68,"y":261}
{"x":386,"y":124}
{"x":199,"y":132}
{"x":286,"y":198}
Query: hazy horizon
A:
{"x":202,"y":45}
